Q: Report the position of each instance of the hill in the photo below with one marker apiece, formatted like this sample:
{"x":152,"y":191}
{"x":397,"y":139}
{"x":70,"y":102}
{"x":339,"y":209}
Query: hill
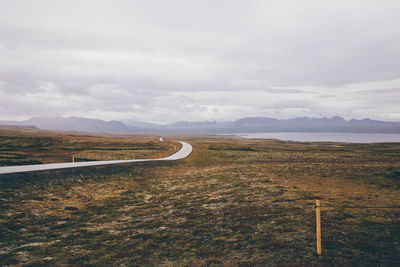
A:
{"x":244,"y":125}
{"x":74,"y":124}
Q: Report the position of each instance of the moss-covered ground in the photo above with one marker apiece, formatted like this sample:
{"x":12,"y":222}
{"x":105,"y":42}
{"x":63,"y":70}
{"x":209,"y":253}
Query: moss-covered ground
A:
{"x":233,"y":202}
{"x":20,"y":147}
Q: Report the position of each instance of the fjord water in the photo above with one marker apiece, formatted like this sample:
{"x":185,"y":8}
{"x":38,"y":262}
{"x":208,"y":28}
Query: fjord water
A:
{"x":322,"y":137}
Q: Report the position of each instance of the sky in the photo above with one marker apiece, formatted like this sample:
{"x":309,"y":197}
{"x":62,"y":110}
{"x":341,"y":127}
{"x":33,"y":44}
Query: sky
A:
{"x":165,"y":61}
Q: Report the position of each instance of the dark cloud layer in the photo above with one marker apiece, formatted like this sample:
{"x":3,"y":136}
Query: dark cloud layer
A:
{"x":199,"y":60}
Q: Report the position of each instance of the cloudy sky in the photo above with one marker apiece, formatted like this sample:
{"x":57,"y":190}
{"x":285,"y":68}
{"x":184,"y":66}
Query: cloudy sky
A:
{"x":165,"y":61}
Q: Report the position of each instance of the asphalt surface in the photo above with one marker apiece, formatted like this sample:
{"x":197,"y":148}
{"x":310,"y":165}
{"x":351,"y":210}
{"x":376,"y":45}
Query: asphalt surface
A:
{"x":184,"y":152}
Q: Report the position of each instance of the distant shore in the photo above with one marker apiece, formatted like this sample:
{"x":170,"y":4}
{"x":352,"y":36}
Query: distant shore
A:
{"x":324,"y":137}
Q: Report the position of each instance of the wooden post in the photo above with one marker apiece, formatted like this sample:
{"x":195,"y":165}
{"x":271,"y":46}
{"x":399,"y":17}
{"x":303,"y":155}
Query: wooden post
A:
{"x":73,"y":159}
{"x":318,"y":218}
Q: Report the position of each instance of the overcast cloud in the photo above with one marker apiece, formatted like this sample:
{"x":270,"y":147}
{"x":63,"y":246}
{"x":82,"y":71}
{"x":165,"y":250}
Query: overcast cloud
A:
{"x":164,"y":61}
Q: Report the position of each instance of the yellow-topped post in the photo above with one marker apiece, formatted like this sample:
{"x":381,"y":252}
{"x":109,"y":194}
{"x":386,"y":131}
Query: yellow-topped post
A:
{"x":318,"y":220}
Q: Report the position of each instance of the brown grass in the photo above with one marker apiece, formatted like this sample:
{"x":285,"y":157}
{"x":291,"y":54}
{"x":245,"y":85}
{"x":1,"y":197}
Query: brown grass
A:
{"x":231,"y":203}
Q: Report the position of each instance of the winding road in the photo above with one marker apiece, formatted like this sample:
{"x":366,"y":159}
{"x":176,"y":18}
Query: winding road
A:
{"x":184,"y":152}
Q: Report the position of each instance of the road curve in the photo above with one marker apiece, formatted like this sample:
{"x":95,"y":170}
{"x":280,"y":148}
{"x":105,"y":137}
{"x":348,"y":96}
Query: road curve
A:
{"x":184,"y":152}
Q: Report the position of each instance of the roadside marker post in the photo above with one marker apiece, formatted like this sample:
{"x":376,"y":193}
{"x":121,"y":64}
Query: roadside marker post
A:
{"x":73,"y":159}
{"x":318,"y":217}
{"x":318,"y":221}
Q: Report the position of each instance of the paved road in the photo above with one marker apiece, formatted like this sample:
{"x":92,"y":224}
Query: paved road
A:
{"x":184,"y":152}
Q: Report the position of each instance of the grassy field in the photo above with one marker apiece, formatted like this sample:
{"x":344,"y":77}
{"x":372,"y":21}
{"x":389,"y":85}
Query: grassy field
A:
{"x":233,"y":202}
{"x":19,"y":147}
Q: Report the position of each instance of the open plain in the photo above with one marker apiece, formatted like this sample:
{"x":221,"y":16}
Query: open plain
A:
{"x":233,"y":202}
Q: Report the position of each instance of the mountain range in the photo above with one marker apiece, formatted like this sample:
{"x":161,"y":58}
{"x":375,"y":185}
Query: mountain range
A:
{"x":74,"y":124}
{"x":244,"y":125}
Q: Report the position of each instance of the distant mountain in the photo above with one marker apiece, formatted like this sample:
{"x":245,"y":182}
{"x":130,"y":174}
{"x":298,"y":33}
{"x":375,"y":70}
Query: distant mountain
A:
{"x":140,"y":124}
{"x":306,"y":124}
{"x":193,"y":124}
{"x":73,"y":124}
{"x":299,"y":124}
{"x":198,"y":125}
{"x":244,"y":125}
{"x":253,"y":122}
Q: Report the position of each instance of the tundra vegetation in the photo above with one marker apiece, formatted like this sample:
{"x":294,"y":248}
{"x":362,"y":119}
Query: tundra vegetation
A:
{"x":233,"y":202}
